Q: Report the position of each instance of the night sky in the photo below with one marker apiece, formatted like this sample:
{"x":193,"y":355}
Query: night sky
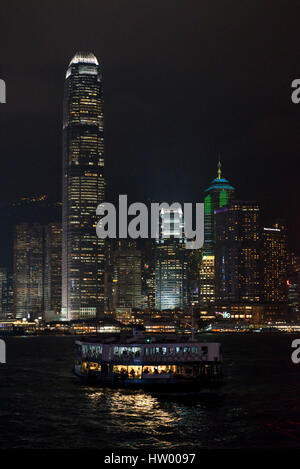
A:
{"x":183,"y":81}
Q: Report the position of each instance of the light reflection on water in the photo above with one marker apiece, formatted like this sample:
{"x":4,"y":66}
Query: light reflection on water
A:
{"x":133,"y":408}
{"x":42,"y":405}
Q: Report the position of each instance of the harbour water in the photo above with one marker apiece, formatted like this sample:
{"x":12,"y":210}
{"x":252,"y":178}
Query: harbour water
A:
{"x":42,"y":405}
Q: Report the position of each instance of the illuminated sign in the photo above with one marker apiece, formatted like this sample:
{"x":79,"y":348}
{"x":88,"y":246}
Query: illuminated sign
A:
{"x":224,"y":314}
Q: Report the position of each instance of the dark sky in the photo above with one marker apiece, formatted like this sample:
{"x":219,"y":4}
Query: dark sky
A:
{"x":183,"y":81}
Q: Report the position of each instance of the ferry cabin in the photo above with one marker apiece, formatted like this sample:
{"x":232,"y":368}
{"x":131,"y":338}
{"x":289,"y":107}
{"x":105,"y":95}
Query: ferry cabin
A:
{"x":143,"y":363}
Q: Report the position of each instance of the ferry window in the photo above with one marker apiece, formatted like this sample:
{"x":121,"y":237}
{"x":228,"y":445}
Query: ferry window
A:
{"x":164,"y":350}
{"x":146,"y":351}
{"x":195,"y":349}
{"x":127,"y":351}
{"x":177,"y":349}
{"x":171,"y":350}
{"x":204,"y":349}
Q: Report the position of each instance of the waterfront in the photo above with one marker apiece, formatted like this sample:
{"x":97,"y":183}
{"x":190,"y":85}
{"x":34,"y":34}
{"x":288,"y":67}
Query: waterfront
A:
{"x":42,"y":405}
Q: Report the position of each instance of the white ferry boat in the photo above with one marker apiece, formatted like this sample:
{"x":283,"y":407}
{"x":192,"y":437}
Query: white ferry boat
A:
{"x":149,"y":364}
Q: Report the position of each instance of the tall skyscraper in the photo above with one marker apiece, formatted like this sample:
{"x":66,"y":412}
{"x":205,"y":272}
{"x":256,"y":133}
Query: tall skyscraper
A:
{"x":274,"y":264}
{"x":52,"y":271}
{"x":218,"y":194}
{"x":3,"y":291}
{"x":293,"y":287}
{"x":237,"y":253}
{"x":83,"y":189}
{"x":171,"y":290}
{"x":128,"y":277}
{"x":28,"y":271}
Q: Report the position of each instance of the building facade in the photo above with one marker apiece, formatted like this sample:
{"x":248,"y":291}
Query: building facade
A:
{"x":274,"y":264}
{"x":128,"y":278}
{"x":220,"y":193}
{"x":83,"y":189}
{"x":52,"y":271}
{"x":3,"y":292}
{"x":171,"y":287}
{"x":28,"y":271}
{"x":237,"y":253}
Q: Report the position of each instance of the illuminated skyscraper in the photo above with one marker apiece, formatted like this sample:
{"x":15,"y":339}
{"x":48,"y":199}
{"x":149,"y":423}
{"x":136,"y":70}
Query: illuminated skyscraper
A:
{"x":218,"y":194}
{"x":171,"y":262}
{"x":28,"y":271}
{"x":52,"y":271}
{"x":274,"y":264}
{"x":3,"y":291}
{"x":237,"y":253}
{"x":128,"y":276}
{"x":83,"y":189}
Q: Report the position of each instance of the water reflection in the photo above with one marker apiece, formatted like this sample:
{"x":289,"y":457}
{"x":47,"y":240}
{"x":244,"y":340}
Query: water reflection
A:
{"x":143,"y":417}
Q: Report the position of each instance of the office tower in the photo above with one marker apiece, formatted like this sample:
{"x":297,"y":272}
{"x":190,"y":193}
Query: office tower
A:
{"x":220,"y":193}
{"x":52,"y":271}
{"x":28,"y":271}
{"x":148,"y":274}
{"x":127,"y":276}
{"x":3,"y":292}
{"x":171,"y":262}
{"x":83,"y":189}
{"x":274,"y":263}
{"x":237,"y":253}
{"x":293,"y":287}
{"x":35,"y":209}
{"x":194,"y":260}
{"x":10,"y":296}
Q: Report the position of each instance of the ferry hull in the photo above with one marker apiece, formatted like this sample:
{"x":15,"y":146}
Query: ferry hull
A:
{"x":160,"y":385}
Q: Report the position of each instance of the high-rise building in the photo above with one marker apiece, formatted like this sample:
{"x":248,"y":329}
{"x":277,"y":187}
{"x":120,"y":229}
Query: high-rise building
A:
{"x":274,"y":264}
{"x":28,"y":271}
{"x":128,"y":277}
{"x":3,"y":292}
{"x":148,"y":274}
{"x":220,"y":193}
{"x":83,"y":189}
{"x":293,"y":287}
{"x":10,"y":296}
{"x":237,"y":253}
{"x":52,"y":271}
{"x":171,"y":289}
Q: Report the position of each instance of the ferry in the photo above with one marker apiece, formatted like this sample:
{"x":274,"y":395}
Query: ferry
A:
{"x":150,"y":364}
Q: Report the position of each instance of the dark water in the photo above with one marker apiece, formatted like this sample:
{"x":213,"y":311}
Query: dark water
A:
{"x":43,"y":406}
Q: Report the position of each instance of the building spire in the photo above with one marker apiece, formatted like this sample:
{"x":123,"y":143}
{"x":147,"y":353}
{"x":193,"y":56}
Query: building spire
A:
{"x":219,"y":167}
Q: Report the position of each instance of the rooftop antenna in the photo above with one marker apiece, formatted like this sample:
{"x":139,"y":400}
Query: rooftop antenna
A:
{"x":219,"y":167}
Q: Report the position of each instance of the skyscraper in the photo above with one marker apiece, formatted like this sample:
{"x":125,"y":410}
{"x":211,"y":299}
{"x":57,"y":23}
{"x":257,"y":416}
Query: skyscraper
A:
{"x":274,"y":264}
{"x":237,"y":253}
{"x":171,"y":262}
{"x":28,"y":271}
{"x":218,"y":194}
{"x":3,"y":291}
{"x":83,"y":189}
{"x":128,"y":277}
{"x":52,"y":271}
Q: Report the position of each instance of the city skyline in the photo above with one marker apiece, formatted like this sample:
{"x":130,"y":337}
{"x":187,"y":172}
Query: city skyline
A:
{"x":149,"y":213}
{"x":173,"y":102}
